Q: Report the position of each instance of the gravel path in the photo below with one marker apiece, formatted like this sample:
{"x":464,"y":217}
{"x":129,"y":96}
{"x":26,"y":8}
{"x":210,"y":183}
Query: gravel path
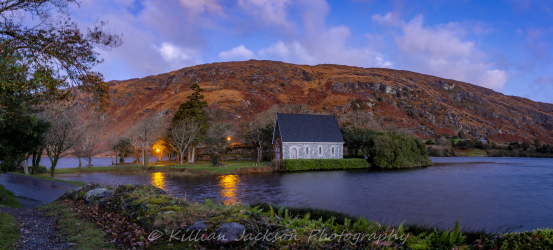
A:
{"x":38,"y":231}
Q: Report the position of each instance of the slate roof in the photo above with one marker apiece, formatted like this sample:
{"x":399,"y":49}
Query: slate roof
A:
{"x":308,"y":128}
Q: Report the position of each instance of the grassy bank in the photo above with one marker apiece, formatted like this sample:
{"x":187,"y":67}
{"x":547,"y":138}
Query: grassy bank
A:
{"x":275,"y":227}
{"x":9,"y":228}
{"x":80,"y":233}
{"x":169,"y":168}
{"x":323,"y":164}
{"x":7,"y":198}
{"x":9,"y":231}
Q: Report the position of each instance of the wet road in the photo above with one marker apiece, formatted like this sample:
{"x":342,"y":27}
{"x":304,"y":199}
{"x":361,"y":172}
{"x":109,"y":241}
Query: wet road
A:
{"x":33,"y":192}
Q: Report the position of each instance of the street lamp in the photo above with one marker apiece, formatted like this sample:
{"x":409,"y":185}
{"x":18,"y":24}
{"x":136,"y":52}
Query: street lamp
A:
{"x":228,"y":138}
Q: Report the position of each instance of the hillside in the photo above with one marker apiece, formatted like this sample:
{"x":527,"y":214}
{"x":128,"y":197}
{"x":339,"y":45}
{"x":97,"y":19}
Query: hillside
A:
{"x":426,"y":105}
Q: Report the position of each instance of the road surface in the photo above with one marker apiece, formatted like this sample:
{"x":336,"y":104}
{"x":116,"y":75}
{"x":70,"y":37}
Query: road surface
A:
{"x":33,"y":192}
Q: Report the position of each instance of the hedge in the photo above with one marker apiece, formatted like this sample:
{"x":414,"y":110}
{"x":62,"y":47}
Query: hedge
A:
{"x":323,"y":164}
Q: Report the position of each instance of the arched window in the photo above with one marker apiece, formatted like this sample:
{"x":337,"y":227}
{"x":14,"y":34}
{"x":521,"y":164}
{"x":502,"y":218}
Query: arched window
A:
{"x":306,"y":152}
{"x":332,"y":150}
{"x":320,"y":150}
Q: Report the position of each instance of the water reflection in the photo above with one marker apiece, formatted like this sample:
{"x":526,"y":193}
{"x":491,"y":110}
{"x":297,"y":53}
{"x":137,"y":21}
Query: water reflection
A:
{"x":158,"y":180}
{"x":228,"y":192}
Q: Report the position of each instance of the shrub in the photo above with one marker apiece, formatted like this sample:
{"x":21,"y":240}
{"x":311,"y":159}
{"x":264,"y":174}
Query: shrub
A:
{"x":7,"y":198}
{"x":537,"y":239}
{"x":398,"y":151}
{"x":432,"y":151}
{"x":215,"y":160}
{"x":323,"y":164}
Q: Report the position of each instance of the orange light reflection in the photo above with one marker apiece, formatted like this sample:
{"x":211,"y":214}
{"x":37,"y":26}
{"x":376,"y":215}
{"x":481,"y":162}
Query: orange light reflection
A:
{"x":158,"y":180}
{"x":228,"y":184}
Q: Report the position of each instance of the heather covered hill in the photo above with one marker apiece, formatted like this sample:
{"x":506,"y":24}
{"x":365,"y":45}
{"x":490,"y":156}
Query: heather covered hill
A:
{"x":428,"y":106}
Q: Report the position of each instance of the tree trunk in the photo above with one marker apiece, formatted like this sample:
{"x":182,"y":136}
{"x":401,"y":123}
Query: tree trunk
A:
{"x":89,"y":160}
{"x":53,"y":167}
{"x":144,"y":157}
{"x":180,"y":156}
{"x":79,"y":167}
{"x":193,"y":157}
{"x":25,"y":167}
{"x":189,"y":154}
{"x":35,"y":161}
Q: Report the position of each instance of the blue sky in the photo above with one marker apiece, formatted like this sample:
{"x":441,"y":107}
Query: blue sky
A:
{"x":502,"y":45}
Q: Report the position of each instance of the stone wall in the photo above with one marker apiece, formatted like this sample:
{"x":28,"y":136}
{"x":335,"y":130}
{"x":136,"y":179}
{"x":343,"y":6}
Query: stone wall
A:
{"x":313,"y":150}
{"x":229,"y":157}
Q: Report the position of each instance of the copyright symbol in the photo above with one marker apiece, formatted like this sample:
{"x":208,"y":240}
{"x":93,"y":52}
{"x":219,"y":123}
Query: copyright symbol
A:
{"x":156,"y":234}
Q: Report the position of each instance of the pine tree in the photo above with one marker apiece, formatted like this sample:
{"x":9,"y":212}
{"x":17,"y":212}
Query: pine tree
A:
{"x":193,"y":109}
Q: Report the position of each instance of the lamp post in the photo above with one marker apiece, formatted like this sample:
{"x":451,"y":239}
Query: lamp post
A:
{"x":157,"y":158}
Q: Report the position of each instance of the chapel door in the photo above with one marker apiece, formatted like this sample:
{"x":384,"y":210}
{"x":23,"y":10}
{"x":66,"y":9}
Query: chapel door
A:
{"x":294,"y":154}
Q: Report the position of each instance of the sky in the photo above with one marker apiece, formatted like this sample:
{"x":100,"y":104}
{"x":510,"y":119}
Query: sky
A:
{"x":502,"y":45}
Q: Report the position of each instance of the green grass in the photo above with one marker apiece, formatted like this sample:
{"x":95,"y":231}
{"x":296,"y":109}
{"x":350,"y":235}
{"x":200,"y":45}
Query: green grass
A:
{"x":198,"y":166}
{"x":9,"y":231}
{"x":47,"y":177}
{"x":7,"y":198}
{"x":474,"y":153}
{"x":208,"y":166}
{"x":82,"y":233}
{"x":323,"y":164}
{"x":82,"y":170}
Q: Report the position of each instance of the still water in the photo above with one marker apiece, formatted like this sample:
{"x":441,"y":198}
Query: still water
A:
{"x":72,"y":162}
{"x":478,"y":192}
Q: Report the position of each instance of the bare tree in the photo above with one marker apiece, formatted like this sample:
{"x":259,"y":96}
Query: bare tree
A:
{"x":93,"y":134}
{"x":216,"y":136}
{"x":145,"y":133}
{"x":62,"y":135}
{"x":79,"y":148}
{"x":111,"y":141}
{"x":254,"y":134}
{"x":362,"y":119}
{"x":181,"y":135}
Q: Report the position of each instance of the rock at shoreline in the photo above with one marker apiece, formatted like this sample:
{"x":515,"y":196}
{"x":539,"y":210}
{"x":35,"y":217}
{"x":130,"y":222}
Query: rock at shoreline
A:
{"x":97,"y":194}
{"x":198,"y":226}
{"x":229,"y":232}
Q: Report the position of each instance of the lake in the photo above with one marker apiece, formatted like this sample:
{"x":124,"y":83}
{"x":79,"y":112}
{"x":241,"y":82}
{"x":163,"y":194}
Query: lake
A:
{"x":72,"y":162}
{"x":479,"y":192}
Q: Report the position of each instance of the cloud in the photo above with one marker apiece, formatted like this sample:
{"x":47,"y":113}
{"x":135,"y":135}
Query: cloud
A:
{"x":442,"y":51}
{"x":178,"y":57}
{"x":326,"y":47}
{"x":544,"y":81}
{"x":268,"y":11}
{"x":391,"y":18}
{"x":237,"y":54}
{"x":319,"y":44}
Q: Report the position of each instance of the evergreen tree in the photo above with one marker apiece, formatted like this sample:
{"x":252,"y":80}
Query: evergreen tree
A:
{"x":193,"y":110}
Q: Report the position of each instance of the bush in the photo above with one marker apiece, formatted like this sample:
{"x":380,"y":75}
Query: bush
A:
{"x":215,"y":160}
{"x":40,"y":170}
{"x":537,"y":239}
{"x":7,"y":198}
{"x":398,"y":151}
{"x":432,"y":151}
{"x":323,"y":164}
